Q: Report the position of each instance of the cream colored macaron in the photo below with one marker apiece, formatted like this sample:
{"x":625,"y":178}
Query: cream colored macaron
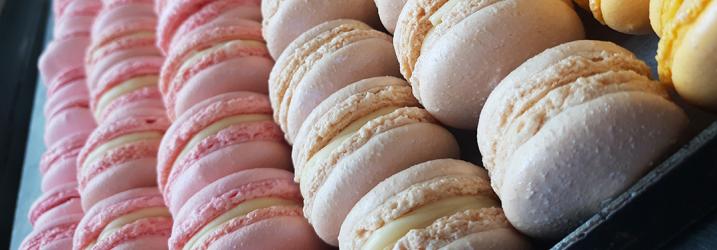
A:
{"x":570,"y":129}
{"x":687,"y":52}
{"x":321,"y":61}
{"x":284,"y":21}
{"x":455,"y":52}
{"x":388,"y":11}
{"x":629,"y":17}
{"x":359,"y":136}
{"x":446,"y":204}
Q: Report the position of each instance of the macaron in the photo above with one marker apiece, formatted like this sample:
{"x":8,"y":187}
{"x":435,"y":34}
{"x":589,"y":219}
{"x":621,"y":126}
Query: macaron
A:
{"x":436,"y":44}
{"x":68,"y":122}
{"x":181,"y":17}
{"x":132,"y":80}
{"x":356,"y":138}
{"x":77,"y":8}
{"x":444,"y":203}
{"x":70,"y":26}
{"x":118,"y":42}
{"x":388,"y":11}
{"x":56,"y":235}
{"x":66,"y":95}
{"x":120,"y":155}
{"x":220,"y":136}
{"x":284,"y":21}
{"x":58,"y":165}
{"x":204,"y":64}
{"x":323,"y":60}
{"x":134,"y":219}
{"x":577,"y":116}
{"x":62,"y":60}
{"x":53,"y":204}
{"x":629,"y":17}
{"x":687,"y":51}
{"x":254,"y":209}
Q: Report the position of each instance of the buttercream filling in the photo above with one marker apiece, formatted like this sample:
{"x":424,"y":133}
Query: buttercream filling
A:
{"x":239,"y":211}
{"x":139,"y":35}
{"x":129,"y":218}
{"x":118,"y":142}
{"x":124,"y":88}
{"x":321,"y":155}
{"x":218,"y":126}
{"x":198,"y":55}
{"x":386,"y":236}
{"x":437,"y":17}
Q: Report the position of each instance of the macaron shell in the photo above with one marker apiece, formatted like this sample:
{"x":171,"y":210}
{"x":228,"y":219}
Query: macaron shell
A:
{"x":693,"y":73}
{"x":54,"y":235}
{"x":146,"y":242}
{"x":284,"y":21}
{"x":223,"y":162}
{"x":350,"y":180}
{"x":558,"y":152}
{"x":73,"y":26}
{"x":61,"y":56}
{"x":120,"y":13}
{"x":54,"y":199}
{"x":539,"y":26}
{"x":224,"y":78}
{"x":73,"y":93}
{"x":68,"y":122}
{"x":97,"y":68}
{"x":497,"y":234}
{"x":73,"y":206}
{"x":629,"y":17}
{"x":62,"y":172}
{"x":63,"y":150}
{"x":263,"y":235}
{"x":119,"y":178}
{"x":368,"y":58}
{"x":388,"y":11}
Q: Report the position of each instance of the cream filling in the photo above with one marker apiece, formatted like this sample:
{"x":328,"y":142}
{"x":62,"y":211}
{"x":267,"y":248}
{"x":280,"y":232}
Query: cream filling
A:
{"x":386,"y":236}
{"x":218,"y":126}
{"x":198,"y":55}
{"x":124,"y":88}
{"x":437,"y":17}
{"x":138,"y":35}
{"x":239,"y":211}
{"x":117,"y":142}
{"x":345,"y":134}
{"x":126,"y":219}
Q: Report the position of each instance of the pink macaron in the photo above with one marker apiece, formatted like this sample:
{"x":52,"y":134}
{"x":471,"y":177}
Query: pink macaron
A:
{"x":55,"y":235}
{"x":254,"y":209}
{"x":118,"y":43}
{"x":132,"y":80}
{"x":73,"y":26}
{"x":205,"y":63}
{"x":70,"y":94}
{"x":62,"y":60}
{"x":181,"y":17}
{"x":58,"y":165}
{"x":120,"y":155}
{"x":120,"y":11}
{"x":61,"y":200}
{"x":134,"y":219}
{"x":68,"y":122}
{"x":77,"y":8}
{"x":220,"y":136}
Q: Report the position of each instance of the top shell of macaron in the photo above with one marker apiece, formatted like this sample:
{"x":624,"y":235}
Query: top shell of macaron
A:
{"x":284,"y":21}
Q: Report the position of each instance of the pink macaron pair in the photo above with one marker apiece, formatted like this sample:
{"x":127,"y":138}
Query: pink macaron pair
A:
{"x":56,"y":235}
{"x":223,"y":135}
{"x":55,"y":203}
{"x":134,"y":219}
{"x":59,"y":163}
{"x":120,"y":155}
{"x":253,"y":209}
{"x":222,"y":51}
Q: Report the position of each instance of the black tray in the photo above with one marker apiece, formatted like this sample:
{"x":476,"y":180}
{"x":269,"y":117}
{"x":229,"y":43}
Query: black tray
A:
{"x":658,"y":211}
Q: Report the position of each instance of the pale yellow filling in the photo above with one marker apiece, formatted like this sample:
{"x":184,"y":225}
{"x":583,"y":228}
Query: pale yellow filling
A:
{"x":138,"y":35}
{"x":241,"y":210}
{"x":437,"y":17}
{"x":126,"y":219}
{"x":345,"y":134}
{"x":386,"y":236}
{"x":117,"y":142}
{"x":218,"y":126}
{"x":196,"y":56}
{"x":124,"y":88}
